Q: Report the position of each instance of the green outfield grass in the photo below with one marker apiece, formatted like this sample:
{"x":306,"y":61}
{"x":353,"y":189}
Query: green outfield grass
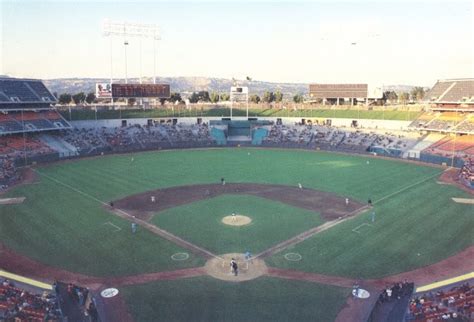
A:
{"x":354,"y":113}
{"x":207,"y":299}
{"x":60,"y":227}
{"x":64,"y":228}
{"x":272,"y":222}
{"x":416,"y":228}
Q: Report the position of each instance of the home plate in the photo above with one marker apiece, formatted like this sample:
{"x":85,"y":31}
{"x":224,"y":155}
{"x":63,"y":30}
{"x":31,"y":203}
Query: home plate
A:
{"x":11,"y":201}
{"x":361,"y":293}
{"x":464,"y":200}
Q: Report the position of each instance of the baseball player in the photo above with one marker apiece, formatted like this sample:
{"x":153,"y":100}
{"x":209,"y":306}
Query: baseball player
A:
{"x":234,"y":269}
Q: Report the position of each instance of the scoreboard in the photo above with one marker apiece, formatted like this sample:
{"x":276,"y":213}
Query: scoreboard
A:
{"x":141,"y":90}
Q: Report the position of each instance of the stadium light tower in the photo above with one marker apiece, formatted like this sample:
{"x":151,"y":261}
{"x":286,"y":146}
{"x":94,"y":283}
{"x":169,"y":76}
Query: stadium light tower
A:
{"x":131,"y":30}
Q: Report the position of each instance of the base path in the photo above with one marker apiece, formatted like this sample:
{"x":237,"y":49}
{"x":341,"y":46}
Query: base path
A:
{"x":22,"y":265}
{"x":459,"y":264}
{"x":309,"y":233}
{"x":329,"y":205}
{"x":310,"y":277}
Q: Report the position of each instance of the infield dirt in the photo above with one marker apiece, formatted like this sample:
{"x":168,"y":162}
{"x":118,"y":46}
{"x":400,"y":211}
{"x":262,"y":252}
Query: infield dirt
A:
{"x":329,"y":205}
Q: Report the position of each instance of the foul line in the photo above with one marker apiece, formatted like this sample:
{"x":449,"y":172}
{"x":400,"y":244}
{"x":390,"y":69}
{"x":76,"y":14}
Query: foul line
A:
{"x":25,"y":280}
{"x":309,"y":233}
{"x":407,"y":187}
{"x":449,"y":281}
{"x":154,"y":229}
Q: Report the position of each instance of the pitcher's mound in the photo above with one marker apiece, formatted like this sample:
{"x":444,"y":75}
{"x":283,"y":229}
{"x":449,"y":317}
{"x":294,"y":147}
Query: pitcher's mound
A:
{"x":247,"y":270}
{"x":237,"y":220}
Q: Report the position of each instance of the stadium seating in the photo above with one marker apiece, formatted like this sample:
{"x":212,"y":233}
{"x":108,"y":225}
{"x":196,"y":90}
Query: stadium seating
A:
{"x":31,"y":121}
{"x":19,"y":91}
{"x":461,"y":145}
{"x":41,"y":90}
{"x":454,"y":304}
{"x":445,"y":121}
{"x":466,"y":175}
{"x":348,"y":140}
{"x":17,"y":304}
{"x":438,"y":89}
{"x":452,"y":91}
{"x":461,"y":91}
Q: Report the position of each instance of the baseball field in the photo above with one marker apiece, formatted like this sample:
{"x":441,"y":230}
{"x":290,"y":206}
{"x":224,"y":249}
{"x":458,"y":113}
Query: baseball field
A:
{"x":76,"y":216}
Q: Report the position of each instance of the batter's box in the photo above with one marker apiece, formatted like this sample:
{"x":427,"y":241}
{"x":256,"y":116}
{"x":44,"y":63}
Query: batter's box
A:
{"x":115,"y":228}
{"x":361,"y":227}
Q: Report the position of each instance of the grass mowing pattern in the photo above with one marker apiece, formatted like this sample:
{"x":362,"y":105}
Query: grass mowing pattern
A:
{"x":62,"y":228}
{"x":354,"y":113}
{"x":419,"y":227}
{"x":272,"y":222}
{"x":59,"y":227}
{"x":207,"y":299}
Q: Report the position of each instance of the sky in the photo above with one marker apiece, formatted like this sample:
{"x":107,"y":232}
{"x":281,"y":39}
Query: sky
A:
{"x":375,"y":42}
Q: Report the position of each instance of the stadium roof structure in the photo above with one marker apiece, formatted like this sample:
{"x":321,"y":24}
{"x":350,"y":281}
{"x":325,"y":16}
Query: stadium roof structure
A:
{"x":452,"y":91}
{"x":21,"y":93}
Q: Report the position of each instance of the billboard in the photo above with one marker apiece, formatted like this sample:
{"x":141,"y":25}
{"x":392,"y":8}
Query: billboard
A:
{"x":141,"y":90}
{"x":103,"y":90}
{"x":239,"y":94}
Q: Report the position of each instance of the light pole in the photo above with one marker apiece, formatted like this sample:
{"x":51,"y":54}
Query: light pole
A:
{"x":135,"y":30}
{"x":125,"y":44}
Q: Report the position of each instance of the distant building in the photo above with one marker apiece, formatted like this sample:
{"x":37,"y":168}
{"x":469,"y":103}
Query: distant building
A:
{"x":344,"y":94}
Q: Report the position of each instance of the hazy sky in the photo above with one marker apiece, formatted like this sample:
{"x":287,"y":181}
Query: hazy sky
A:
{"x":402,"y":42}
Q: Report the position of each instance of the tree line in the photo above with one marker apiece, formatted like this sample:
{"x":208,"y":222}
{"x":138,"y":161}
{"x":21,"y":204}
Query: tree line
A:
{"x":416,"y":94}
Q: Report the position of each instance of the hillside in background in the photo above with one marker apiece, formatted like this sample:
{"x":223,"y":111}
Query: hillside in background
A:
{"x":178,"y":84}
{"x":190,"y":84}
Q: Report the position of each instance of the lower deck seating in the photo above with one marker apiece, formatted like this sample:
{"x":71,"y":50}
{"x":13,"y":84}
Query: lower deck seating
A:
{"x":454,"y":304}
{"x":17,"y":304}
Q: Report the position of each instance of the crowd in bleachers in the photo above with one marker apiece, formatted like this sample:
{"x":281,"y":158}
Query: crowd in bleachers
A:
{"x":136,"y":136}
{"x":17,"y":304}
{"x":335,"y":138}
{"x":455,"y":304}
{"x":16,"y":147}
{"x":460,"y":145}
{"x":467,"y":172}
{"x":445,"y":122}
{"x":8,"y":171}
{"x":466,"y":125}
{"x":296,"y":134}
